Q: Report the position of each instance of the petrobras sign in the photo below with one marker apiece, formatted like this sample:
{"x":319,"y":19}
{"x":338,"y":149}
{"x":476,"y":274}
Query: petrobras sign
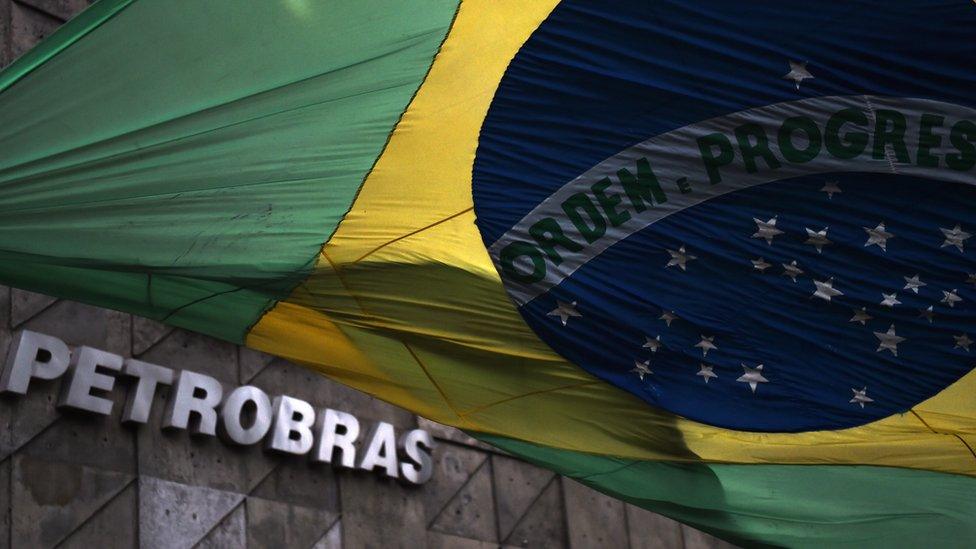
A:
{"x":202,"y":405}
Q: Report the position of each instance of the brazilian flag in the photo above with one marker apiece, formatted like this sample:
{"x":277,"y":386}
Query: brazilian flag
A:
{"x":713,"y":258}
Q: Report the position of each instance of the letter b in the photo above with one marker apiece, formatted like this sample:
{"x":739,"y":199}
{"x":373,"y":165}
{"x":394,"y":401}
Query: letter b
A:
{"x":292,"y":431}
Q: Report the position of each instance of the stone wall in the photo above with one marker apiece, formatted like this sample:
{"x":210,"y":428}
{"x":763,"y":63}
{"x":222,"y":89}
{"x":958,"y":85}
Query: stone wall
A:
{"x":75,"y":480}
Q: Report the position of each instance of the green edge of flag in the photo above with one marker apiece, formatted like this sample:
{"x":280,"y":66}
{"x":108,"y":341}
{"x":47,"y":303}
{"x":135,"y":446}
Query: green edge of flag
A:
{"x":781,"y":505}
{"x":186,"y":162}
{"x":64,"y":36}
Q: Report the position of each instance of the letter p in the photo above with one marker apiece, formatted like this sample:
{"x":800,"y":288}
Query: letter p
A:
{"x":32,"y":355}
{"x":715,"y":159}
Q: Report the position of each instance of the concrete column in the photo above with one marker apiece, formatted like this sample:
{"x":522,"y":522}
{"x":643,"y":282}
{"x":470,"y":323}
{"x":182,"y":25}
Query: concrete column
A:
{"x":5,"y":15}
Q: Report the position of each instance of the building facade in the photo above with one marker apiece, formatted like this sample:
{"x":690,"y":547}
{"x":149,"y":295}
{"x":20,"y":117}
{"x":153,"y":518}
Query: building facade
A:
{"x":75,"y":479}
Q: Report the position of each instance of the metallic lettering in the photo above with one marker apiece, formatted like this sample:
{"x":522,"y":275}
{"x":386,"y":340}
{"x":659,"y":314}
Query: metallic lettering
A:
{"x":232,"y":409}
{"x":417,"y":445}
{"x":32,"y":355}
{"x":381,"y":451}
{"x":329,"y":424}
{"x":293,"y":421}
{"x":194,"y":394}
{"x":140,"y":398}
{"x":84,"y":377}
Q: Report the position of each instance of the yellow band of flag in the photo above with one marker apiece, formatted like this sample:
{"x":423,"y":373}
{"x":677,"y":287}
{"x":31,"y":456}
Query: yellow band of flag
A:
{"x":471,"y":361}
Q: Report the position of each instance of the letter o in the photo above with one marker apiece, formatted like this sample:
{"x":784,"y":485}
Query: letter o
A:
{"x":511,"y":253}
{"x":230,"y":413}
{"x":785,"y":139}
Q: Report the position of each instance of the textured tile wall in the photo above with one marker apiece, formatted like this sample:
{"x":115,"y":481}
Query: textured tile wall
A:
{"x":79,"y":480}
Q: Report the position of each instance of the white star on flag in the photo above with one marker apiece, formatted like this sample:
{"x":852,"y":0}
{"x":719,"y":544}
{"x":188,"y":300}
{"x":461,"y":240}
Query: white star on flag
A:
{"x":791,"y":270}
{"x":798,"y":72}
{"x":760,"y":264}
{"x":971,"y":279}
{"x":861,"y":315}
{"x":831,"y":188}
{"x":890,"y":300}
{"x":962,"y":342}
{"x":668,"y":317}
{"x":766,"y":229}
{"x":955,"y":237}
{"x":825,"y":290}
{"x":861,"y":397}
{"x":565,"y":311}
{"x":878,"y":236}
{"x":706,"y":373}
{"x":913,"y":283}
{"x":706,"y":345}
{"x":752,"y":376}
{"x":889,"y":340}
{"x":642,"y":369}
{"x":651,"y":344}
{"x":680,"y":257}
{"x":818,"y":239}
{"x":927,"y":314}
{"x":950,"y":298}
